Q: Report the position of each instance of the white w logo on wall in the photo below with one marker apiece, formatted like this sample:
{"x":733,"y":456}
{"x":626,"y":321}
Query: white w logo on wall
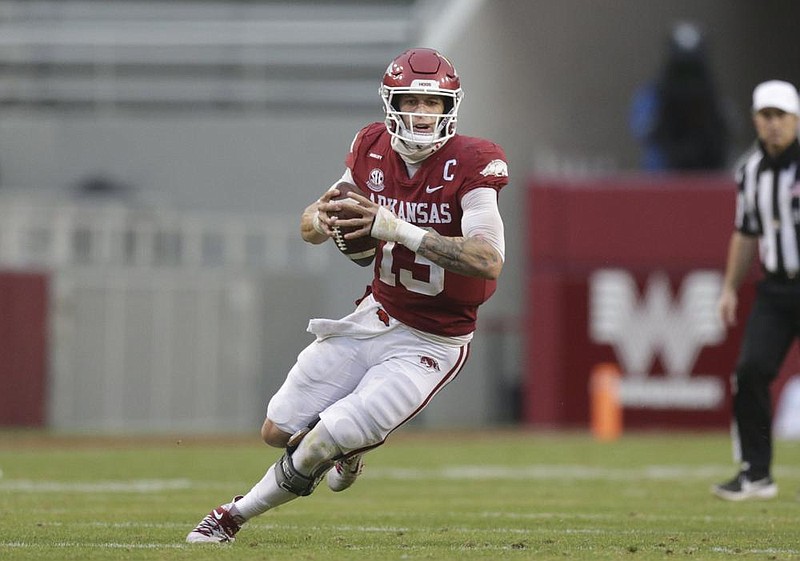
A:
{"x":675,"y":329}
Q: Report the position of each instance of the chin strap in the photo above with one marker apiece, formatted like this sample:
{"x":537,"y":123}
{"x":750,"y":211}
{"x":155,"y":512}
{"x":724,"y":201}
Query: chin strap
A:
{"x":411,"y":154}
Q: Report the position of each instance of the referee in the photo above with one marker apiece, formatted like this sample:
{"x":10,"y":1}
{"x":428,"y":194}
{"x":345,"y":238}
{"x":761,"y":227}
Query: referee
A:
{"x":768,"y":223}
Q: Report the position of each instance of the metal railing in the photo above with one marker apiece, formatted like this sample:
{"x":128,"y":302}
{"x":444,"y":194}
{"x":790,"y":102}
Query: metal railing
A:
{"x":50,"y":234}
{"x":158,"y":319}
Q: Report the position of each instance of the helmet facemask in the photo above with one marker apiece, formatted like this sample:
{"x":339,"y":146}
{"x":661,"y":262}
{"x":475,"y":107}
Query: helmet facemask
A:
{"x":422,"y":72}
{"x":401,"y":124}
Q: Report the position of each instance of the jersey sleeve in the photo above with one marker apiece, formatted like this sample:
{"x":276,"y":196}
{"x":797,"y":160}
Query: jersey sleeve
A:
{"x":489,"y":168}
{"x":363,"y":138}
{"x":746,"y":220}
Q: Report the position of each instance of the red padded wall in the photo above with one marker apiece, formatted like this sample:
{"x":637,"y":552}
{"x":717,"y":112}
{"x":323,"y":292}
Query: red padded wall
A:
{"x":664,"y":226}
{"x":23,"y":348}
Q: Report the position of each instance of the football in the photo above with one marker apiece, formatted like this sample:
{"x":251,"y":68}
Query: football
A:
{"x":359,"y":250}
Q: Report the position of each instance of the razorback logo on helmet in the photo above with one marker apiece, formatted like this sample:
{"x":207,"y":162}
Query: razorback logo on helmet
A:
{"x":497,"y":168}
{"x":429,"y":363}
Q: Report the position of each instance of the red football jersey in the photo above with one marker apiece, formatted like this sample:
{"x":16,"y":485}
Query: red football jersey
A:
{"x":410,"y":287}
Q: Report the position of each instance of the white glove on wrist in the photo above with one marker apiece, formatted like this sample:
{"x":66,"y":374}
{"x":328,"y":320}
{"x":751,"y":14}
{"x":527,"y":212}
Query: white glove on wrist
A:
{"x":388,"y":227}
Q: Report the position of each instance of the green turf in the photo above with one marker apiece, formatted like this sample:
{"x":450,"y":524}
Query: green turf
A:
{"x":425,"y":495}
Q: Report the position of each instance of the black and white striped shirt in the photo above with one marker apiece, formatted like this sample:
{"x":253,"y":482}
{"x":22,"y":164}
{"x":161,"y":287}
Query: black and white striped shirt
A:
{"x":768,"y":206}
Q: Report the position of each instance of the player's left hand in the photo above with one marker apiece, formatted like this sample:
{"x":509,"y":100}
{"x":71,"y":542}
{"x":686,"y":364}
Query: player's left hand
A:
{"x":322,"y":218}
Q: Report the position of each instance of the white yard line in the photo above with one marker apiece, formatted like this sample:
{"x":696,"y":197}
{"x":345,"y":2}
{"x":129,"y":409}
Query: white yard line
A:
{"x":539,"y":472}
{"x":560,"y":516}
{"x":134,"y":486}
{"x":770,"y":551}
{"x":568,"y":472}
{"x":113,"y":545}
{"x":106,"y":545}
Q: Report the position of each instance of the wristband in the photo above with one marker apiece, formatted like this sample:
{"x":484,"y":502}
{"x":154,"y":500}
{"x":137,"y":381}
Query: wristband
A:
{"x":390,"y":228}
{"x":409,"y":235}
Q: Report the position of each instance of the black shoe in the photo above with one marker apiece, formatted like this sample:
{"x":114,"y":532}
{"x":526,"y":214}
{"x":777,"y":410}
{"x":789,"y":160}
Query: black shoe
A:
{"x":740,"y":488}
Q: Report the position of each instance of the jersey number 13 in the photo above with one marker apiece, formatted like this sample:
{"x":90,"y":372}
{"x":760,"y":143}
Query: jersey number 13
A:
{"x":401,"y":265}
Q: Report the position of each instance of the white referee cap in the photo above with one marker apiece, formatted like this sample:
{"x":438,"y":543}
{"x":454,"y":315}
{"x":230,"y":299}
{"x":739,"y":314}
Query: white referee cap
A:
{"x":778,"y":94}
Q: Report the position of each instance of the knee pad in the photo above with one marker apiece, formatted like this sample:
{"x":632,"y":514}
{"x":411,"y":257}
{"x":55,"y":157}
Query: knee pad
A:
{"x":356,"y":422}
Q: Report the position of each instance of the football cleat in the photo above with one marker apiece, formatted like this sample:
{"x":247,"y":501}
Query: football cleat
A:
{"x":740,"y":488}
{"x":218,"y":526}
{"x":344,"y":473}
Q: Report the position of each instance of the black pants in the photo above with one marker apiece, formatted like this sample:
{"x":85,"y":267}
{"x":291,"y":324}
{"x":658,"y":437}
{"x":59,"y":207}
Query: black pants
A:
{"x":773,"y":324}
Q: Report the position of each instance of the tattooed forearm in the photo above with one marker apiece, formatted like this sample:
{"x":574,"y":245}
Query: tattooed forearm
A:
{"x":472,"y":257}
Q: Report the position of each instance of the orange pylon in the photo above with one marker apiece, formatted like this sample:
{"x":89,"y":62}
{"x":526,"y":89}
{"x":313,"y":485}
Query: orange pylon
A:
{"x":606,"y":409}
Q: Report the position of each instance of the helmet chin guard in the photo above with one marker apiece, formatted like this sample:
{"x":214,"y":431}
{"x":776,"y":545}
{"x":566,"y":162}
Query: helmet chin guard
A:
{"x":421,"y":72}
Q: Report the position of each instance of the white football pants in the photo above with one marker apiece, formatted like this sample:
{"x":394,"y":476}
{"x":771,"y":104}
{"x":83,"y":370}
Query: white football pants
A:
{"x":364,"y":388}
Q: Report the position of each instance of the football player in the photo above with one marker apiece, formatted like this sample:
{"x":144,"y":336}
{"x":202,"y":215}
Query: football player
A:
{"x":429,"y":195}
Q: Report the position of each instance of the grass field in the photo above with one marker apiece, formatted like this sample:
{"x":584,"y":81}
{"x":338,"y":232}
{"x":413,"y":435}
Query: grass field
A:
{"x":425,"y":495}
